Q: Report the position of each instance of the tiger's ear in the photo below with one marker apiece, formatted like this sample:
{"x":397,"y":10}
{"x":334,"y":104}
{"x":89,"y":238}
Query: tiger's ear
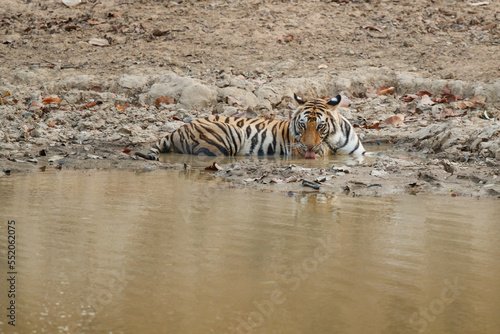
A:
{"x":298,"y":99}
{"x":334,"y":101}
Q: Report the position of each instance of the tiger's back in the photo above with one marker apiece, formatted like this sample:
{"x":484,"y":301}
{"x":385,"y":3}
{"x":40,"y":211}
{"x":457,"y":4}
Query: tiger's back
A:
{"x":229,"y":136}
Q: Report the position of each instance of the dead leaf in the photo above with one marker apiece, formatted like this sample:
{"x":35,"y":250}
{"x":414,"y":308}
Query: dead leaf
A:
{"x":234,"y":101}
{"x":165,"y":100}
{"x":426,"y":101}
{"x":371,"y":91}
{"x":385,"y":90}
{"x":288,"y":179}
{"x":70,"y":27}
{"x":395,"y":120}
{"x":89,"y":105}
{"x":447,"y":112}
{"x":214,"y":166}
{"x":376,"y":125}
{"x":285,"y":39}
{"x":322,"y":66}
{"x":175,"y":118}
{"x":249,"y":113}
{"x":126,"y":150}
{"x":36,"y":105}
{"x":440,"y":100}
{"x":269,"y":117}
{"x":114,"y":14}
{"x":6,"y":94}
{"x":120,"y":108}
{"x":99,"y":42}
{"x":488,"y":26}
{"x":372,"y":28}
{"x":259,"y":81}
{"x":51,"y":99}
{"x":409,"y":97}
{"x":345,"y":102}
{"x":447,"y":96}
{"x":422,"y":93}
{"x":159,"y":33}
{"x":253,"y":179}
{"x":93,"y":23}
{"x":478,"y":99}
{"x":464,"y":104}
{"x":52,"y":124}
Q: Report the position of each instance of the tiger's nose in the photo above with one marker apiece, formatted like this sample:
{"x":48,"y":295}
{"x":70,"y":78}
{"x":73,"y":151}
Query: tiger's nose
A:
{"x":310,"y":147}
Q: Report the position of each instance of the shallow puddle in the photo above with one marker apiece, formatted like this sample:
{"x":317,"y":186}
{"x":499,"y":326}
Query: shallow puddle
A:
{"x":180,"y":252}
{"x":320,"y":162}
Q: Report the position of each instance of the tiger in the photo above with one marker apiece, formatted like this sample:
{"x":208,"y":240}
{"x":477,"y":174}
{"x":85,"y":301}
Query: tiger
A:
{"x":315,"y":128}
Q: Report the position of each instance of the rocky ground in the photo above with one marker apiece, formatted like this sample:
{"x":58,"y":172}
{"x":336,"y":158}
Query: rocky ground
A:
{"x":85,"y":86}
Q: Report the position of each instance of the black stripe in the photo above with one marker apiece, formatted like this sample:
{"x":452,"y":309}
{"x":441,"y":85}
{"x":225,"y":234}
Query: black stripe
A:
{"x":235,"y":146}
{"x":262,"y":138}
{"x":225,"y":131}
{"x":347,"y":131}
{"x":249,"y":131}
{"x":274,"y":133}
{"x":222,"y":149}
{"x":206,"y":151}
{"x":218,"y":138}
{"x":357,"y":145}
{"x":270,"y":150}
{"x":175,"y":148}
{"x":166,"y":147}
{"x":254,"y":142}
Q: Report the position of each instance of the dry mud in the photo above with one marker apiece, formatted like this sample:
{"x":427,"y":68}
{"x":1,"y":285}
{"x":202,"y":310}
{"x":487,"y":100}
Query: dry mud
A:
{"x":105,"y":64}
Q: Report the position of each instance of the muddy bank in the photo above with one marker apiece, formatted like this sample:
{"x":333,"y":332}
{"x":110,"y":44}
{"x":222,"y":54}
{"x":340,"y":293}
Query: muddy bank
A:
{"x":449,"y":146}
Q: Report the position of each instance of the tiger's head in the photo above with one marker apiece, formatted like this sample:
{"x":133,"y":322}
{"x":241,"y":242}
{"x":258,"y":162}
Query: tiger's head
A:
{"x":312,"y":123}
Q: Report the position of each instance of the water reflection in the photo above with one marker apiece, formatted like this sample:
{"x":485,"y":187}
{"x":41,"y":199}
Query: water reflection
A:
{"x":180,"y":252}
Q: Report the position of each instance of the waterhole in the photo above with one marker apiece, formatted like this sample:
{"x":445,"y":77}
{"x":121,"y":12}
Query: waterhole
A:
{"x":183,"y":252}
{"x":320,"y":162}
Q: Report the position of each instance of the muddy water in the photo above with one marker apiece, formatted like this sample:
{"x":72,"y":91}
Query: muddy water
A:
{"x":325,"y":161}
{"x":178,"y":252}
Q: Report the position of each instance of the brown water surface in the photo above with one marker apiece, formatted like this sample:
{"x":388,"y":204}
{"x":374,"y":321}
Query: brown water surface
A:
{"x":180,"y":252}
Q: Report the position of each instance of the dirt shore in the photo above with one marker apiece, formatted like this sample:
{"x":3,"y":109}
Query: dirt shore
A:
{"x":85,"y":86}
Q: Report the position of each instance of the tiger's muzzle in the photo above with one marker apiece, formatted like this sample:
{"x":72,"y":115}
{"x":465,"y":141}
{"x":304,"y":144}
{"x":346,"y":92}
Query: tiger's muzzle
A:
{"x":311,"y":140}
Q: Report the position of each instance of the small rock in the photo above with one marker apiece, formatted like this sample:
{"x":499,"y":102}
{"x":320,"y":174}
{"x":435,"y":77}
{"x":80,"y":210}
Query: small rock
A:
{"x":377,"y":173}
{"x":313,"y":185}
{"x":56,"y":158}
{"x":99,"y":42}
{"x":71,"y":3}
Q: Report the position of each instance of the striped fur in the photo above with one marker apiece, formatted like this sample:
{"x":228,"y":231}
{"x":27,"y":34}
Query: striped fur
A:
{"x":338,"y":133}
{"x":315,"y":127}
